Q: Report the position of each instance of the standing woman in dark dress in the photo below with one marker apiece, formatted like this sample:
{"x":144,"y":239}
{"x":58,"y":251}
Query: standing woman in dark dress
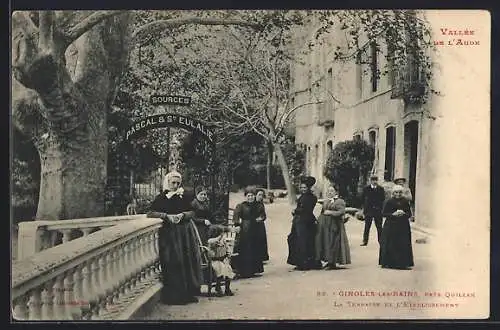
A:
{"x":301,"y":240}
{"x":261,"y":227}
{"x":332,"y":244}
{"x":179,"y":250}
{"x":203,"y":217}
{"x":246,"y":216}
{"x":395,"y":247}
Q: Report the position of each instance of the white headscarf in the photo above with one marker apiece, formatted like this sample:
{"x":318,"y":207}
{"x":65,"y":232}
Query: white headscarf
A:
{"x":166,"y":183}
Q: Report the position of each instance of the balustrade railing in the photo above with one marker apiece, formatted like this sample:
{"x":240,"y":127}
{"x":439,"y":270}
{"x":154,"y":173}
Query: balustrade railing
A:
{"x":89,"y":278}
{"x":35,"y":236}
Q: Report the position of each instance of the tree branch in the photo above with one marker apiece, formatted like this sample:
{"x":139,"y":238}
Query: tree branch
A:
{"x":46,"y":30}
{"x":88,"y":23}
{"x":288,"y":113}
{"x":176,"y":22}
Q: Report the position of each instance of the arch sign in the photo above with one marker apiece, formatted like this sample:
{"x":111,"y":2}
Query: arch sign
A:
{"x":169,"y":120}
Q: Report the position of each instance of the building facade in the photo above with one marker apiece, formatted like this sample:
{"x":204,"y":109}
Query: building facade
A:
{"x":346,"y":99}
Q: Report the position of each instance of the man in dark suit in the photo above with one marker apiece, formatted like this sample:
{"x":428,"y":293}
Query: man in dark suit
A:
{"x":373,"y":202}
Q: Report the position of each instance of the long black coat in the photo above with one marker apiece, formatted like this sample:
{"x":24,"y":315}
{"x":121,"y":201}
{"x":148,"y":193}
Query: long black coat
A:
{"x":248,"y":262}
{"x":301,"y":240}
{"x":179,"y":251}
{"x":395,"y":245}
{"x":262,"y":233}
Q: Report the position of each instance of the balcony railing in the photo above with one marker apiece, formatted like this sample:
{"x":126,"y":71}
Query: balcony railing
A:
{"x":407,"y":82}
{"x":96,"y":277}
{"x":35,"y":236}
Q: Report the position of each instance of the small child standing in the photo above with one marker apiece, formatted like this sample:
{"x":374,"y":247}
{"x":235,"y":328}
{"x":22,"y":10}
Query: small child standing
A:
{"x":219,"y":253}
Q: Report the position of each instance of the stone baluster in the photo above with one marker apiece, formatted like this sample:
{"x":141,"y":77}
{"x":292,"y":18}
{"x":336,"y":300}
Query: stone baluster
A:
{"x":48,"y":300}
{"x":75,"y":310}
{"x":116,"y":272}
{"x":142,"y":259}
{"x":156,"y":245}
{"x":105,"y":264}
{"x":134,"y":262}
{"x":35,"y":305}
{"x":126,"y":260}
{"x":151,"y":252}
{"x":122,"y":265}
{"x":21,"y":307}
{"x":87,"y":290}
{"x":68,"y":294}
{"x":97,"y":286}
{"x":66,"y":235}
{"x":58,"y":302}
{"x":110,"y":272}
{"x":103,"y":272}
{"x":131,"y":263}
{"x":86,"y":231}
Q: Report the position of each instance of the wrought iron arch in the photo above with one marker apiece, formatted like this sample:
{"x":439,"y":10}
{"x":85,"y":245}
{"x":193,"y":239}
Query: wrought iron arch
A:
{"x":140,"y":127}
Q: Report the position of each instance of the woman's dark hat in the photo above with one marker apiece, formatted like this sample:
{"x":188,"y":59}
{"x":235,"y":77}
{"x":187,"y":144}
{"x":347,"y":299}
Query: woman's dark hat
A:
{"x":399,"y":179}
{"x":308,"y":181}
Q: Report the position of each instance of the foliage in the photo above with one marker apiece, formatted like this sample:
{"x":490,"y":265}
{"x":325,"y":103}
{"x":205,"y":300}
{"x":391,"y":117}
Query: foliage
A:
{"x":25,"y":178}
{"x":349,"y":161}
{"x":235,"y":65}
{"x":296,"y":158}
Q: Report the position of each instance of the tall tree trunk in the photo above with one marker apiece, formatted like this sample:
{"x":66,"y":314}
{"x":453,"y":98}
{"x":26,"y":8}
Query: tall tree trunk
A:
{"x":72,"y":183}
{"x":269,"y":163}
{"x":61,"y":98}
{"x":286,"y":173}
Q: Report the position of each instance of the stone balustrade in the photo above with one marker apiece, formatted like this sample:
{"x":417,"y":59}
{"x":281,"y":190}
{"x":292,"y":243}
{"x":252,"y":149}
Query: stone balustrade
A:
{"x":35,"y":236}
{"x":96,"y":277}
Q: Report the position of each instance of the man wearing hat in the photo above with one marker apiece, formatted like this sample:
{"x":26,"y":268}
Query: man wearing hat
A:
{"x":373,"y":202}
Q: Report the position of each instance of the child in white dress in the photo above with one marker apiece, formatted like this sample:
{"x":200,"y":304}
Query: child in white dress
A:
{"x":219,"y":252}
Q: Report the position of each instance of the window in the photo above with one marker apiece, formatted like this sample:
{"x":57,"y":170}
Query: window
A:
{"x":308,"y":156}
{"x":390,"y":153}
{"x":359,"y":76}
{"x":374,"y":66}
{"x":372,"y":138}
{"x":357,"y":136}
{"x":316,"y":155}
{"x":329,"y":147}
{"x":330,"y":80}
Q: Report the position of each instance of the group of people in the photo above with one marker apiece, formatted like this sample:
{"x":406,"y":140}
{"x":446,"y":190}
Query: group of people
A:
{"x":312,"y":241}
{"x":323,"y":243}
{"x":188,"y":226}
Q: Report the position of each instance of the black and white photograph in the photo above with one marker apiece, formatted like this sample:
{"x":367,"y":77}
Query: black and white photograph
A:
{"x":213,"y":165}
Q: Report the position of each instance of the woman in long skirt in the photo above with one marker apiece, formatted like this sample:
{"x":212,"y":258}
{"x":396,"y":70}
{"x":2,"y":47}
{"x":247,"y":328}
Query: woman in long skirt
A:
{"x":332,"y":245}
{"x":179,"y":250}
{"x":261,"y":227}
{"x":246,"y":216}
{"x":301,"y":240}
{"x":395,"y":246}
{"x":203,"y":217}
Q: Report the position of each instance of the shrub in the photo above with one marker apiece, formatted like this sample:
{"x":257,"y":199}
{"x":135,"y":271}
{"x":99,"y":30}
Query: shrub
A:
{"x":349,"y":162}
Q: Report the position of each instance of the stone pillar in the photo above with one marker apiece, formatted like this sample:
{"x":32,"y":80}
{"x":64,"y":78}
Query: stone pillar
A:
{"x":30,"y":239}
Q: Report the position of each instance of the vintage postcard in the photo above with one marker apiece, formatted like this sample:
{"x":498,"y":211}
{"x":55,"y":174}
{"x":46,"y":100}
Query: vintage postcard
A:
{"x":250,"y":165}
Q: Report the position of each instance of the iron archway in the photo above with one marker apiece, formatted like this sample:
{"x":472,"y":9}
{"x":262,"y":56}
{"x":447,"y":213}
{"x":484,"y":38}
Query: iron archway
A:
{"x":169,"y":120}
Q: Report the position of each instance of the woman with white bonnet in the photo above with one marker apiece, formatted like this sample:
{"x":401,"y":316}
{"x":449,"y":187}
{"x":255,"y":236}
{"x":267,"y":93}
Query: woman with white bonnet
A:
{"x":395,"y":244}
{"x":179,"y":249}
